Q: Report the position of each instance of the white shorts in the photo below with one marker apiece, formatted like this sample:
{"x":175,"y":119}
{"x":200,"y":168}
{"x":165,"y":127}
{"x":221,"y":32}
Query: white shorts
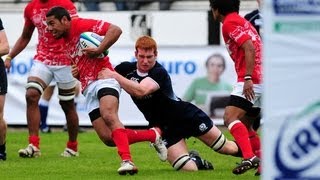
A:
{"x":61,"y":74}
{"x":91,"y":92}
{"x":257,"y":88}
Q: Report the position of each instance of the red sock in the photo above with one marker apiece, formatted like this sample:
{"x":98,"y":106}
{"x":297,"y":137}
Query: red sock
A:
{"x":255,"y":143}
{"x":72,"y":145}
{"x":34,"y":140}
{"x":140,"y":135}
{"x":120,"y":138}
{"x":240,"y":134}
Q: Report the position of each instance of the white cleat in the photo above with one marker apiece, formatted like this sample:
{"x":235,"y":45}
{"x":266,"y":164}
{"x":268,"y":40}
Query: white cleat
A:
{"x":29,"y":152}
{"x":160,"y":147}
{"x":69,"y":153}
{"x":127,"y":167}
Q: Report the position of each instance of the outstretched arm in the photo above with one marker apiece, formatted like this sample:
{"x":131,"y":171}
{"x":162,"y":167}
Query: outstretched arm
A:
{"x":145,"y":87}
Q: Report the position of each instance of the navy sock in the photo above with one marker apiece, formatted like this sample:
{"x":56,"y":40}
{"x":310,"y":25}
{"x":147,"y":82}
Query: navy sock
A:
{"x":43,"y":114}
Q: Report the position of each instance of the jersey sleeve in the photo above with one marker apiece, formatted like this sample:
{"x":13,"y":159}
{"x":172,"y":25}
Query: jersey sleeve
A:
{"x":27,"y":19}
{"x":97,"y":26}
{"x":124,"y":68}
{"x":160,"y":75}
{"x":236,"y":32}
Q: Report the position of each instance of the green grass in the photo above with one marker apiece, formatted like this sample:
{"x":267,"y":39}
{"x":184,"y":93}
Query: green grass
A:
{"x":97,"y":161}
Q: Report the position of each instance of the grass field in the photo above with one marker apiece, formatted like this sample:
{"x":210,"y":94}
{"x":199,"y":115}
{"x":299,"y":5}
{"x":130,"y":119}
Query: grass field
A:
{"x":97,"y":161}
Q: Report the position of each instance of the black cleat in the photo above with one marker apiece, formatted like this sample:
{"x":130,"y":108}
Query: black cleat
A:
{"x":246,"y":164}
{"x":202,"y":164}
{"x":3,"y":156}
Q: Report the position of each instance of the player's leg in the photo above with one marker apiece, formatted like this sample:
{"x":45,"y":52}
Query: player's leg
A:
{"x":216,"y":140}
{"x":153,"y":135}
{"x":3,"y":129}
{"x":249,"y":120}
{"x":109,"y":104}
{"x":105,"y":94}
{"x":77,"y":93}
{"x":178,"y":157}
{"x":40,"y":76}
{"x":44,"y":107}
{"x":66,"y":93}
{"x":3,"y":125}
{"x":237,"y":107}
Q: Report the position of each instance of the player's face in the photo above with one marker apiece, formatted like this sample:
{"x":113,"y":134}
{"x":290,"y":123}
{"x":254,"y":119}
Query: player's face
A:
{"x":146,"y":59}
{"x":55,"y":27}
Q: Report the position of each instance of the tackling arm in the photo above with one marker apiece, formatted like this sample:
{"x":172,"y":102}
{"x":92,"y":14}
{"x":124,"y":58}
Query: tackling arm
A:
{"x":145,"y":87}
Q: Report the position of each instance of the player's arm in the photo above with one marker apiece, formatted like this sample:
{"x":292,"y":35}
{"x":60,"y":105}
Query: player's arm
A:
{"x":4,"y":45}
{"x":145,"y":87}
{"x":112,"y":35}
{"x":250,"y":53}
{"x":21,"y":43}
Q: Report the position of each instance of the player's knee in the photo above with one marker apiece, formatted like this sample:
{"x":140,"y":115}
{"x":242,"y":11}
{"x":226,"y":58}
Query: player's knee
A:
{"x":184,"y":162}
{"x":34,"y":85}
{"x":32,"y":95}
{"x":110,"y":118}
{"x":3,"y":125}
{"x":107,"y":140}
{"x":219,"y":143}
{"x":66,"y":95}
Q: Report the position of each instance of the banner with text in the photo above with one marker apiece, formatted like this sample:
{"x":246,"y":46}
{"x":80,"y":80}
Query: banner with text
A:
{"x":291,"y":132}
{"x":183,"y":64}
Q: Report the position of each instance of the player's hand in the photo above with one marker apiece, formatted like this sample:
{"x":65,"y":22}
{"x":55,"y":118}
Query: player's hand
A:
{"x":74,"y":71}
{"x":91,"y":52}
{"x":7,"y":63}
{"x":105,"y":73}
{"x":248,"y":90}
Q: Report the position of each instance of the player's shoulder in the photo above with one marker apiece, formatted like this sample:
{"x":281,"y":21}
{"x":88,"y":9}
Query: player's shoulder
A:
{"x":125,"y":67}
{"x":158,"y":68}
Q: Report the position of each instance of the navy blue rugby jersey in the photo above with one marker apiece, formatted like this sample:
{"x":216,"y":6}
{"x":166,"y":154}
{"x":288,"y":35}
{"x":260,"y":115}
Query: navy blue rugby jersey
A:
{"x":255,"y":19}
{"x":162,"y":106}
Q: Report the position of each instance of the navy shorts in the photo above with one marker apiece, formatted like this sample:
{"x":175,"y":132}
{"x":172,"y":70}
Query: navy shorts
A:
{"x":188,"y":125}
{"x":3,"y":77}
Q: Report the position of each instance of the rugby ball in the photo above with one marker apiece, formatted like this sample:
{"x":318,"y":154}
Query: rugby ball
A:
{"x":91,"y":39}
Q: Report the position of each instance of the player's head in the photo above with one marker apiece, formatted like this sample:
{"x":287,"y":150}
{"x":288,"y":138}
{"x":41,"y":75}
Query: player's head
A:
{"x":224,"y":7}
{"x":58,"y":21}
{"x":146,"y":53}
{"x":215,"y":65}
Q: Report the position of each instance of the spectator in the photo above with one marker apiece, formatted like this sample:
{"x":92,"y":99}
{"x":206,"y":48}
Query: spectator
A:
{"x":201,"y":88}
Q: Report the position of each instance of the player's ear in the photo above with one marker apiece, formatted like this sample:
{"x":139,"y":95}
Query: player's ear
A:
{"x":64,"y":20}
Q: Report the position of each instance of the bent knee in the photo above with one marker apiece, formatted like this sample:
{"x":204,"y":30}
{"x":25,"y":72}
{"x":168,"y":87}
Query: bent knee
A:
{"x":32,"y":95}
{"x":184,"y":163}
{"x":109,"y":143}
